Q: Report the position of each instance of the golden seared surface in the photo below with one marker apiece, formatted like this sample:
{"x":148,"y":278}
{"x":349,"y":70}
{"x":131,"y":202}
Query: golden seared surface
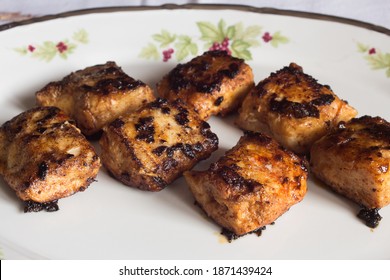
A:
{"x":294,"y":108}
{"x":251,"y":186}
{"x":212,"y":83}
{"x":44,"y":157}
{"x":96,"y":95}
{"x":150,"y":148}
{"x":355,"y":160}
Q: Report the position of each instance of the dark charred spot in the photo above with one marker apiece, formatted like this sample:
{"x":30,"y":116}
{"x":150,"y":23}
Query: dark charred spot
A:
{"x":205,"y":125}
{"x":117,"y":123}
{"x":170,"y":151}
{"x":230,"y":236}
{"x":234,"y":69}
{"x":197,"y":147}
{"x":378,"y":131}
{"x":158,"y":103}
{"x":293,"y":109}
{"x":43,"y":167}
{"x":208,"y":88}
{"x":324,"y":99}
{"x":26,"y":185}
{"x":51,"y":113}
{"x":159,"y":181}
{"x":112,"y":70}
{"x":288,"y":77}
{"x":33,"y":206}
{"x":371,"y":217}
{"x":109,"y":85}
{"x":90,"y":180}
{"x":259,"y":90}
{"x":188,"y":151}
{"x":168,"y":164}
{"x":162,"y":104}
{"x":159,"y":150}
{"x":218,"y":101}
{"x":328,"y":87}
{"x":41,"y":130}
{"x":278,"y":157}
{"x":166,"y":110}
{"x":145,"y":129}
{"x":124,"y":177}
{"x":235,"y":180}
{"x":182,"y":117}
{"x":262,"y":138}
{"x":206,"y":132}
{"x":95,"y":158}
{"x":195,"y":74}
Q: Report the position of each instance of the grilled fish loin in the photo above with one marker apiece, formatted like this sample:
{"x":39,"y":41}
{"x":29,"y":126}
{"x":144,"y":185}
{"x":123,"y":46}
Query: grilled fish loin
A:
{"x":354,"y":161}
{"x":294,"y":108}
{"x":251,"y":185}
{"x":212,"y":83}
{"x":96,"y":95}
{"x":44,"y":157}
{"x":150,"y":148}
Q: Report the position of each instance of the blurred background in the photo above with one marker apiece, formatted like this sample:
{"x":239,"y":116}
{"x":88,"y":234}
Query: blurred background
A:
{"x":372,"y":11}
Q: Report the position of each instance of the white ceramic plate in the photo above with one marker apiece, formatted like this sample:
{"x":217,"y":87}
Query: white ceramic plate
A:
{"x":113,"y":221}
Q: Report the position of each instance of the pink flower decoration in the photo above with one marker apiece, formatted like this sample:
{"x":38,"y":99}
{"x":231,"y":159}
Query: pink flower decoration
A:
{"x":167,"y":54}
{"x":31,"y":48}
{"x":61,"y":47}
{"x":267,"y":37}
{"x":372,"y":51}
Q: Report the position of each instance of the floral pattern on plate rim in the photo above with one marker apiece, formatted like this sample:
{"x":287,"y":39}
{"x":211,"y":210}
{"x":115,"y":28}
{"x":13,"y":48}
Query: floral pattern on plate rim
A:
{"x":49,"y":49}
{"x":237,"y":40}
{"x":375,"y":57}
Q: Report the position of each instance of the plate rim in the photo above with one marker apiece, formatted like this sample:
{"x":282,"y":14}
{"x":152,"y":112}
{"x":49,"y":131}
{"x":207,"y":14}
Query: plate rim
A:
{"x":196,"y":6}
{"x":167,"y":7}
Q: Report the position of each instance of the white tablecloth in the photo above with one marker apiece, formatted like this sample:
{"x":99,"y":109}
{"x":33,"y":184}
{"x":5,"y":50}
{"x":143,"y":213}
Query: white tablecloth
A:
{"x":373,"y":11}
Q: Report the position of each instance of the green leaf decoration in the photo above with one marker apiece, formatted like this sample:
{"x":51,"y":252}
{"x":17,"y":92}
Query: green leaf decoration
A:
{"x":22,"y":51}
{"x":81,"y":36}
{"x":277,"y":39}
{"x":231,"y":32}
{"x":150,"y":52}
{"x":251,"y":32}
{"x":184,"y":47}
{"x":239,"y":31}
{"x":222,"y":30}
{"x":240,"y":49}
{"x":1,"y":254}
{"x":241,"y":39}
{"x":46,"y":51}
{"x":376,"y":59}
{"x":164,"y":38}
{"x":362,"y":47}
{"x":248,"y":33}
{"x":210,"y":32}
{"x":379,"y":60}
